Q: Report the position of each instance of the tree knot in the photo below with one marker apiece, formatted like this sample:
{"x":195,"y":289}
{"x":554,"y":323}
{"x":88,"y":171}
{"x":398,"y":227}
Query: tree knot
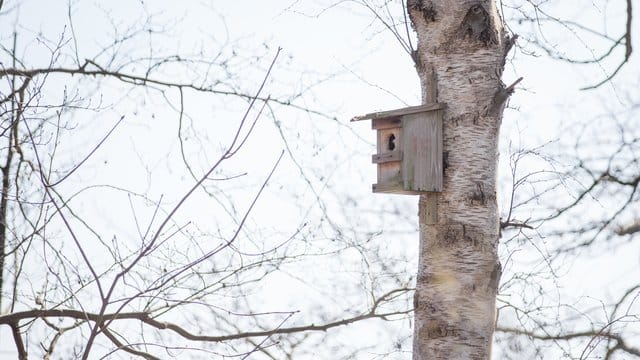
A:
{"x":477,"y":24}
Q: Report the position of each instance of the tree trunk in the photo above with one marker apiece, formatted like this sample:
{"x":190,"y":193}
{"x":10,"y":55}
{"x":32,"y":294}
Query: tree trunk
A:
{"x":464,"y":45}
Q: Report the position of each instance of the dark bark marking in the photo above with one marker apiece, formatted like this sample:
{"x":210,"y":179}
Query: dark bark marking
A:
{"x":478,"y":194}
{"x":461,"y":236}
{"x":466,"y":118}
{"x":415,"y":55}
{"x":445,"y":160}
{"x":435,"y":329}
{"x":477,"y":24}
{"x":456,"y":120}
{"x":452,"y":234}
{"x":425,"y":306}
{"x":496,"y":274}
{"x":429,"y":12}
{"x":476,"y":118}
{"x":426,"y":7}
{"x":509,"y":41}
{"x":467,"y":238}
{"x":470,"y":237}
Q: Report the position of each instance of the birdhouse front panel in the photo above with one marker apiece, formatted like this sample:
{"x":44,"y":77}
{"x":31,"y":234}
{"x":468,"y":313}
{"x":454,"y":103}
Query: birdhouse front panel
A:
{"x":389,"y":156}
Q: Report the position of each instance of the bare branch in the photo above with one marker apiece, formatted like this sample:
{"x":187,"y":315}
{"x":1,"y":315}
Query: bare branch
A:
{"x":146,"y":318}
{"x":127,"y":348}
{"x":628,"y":49}
{"x":592,"y":334}
{"x":138,"y":80}
{"x":17,"y":338}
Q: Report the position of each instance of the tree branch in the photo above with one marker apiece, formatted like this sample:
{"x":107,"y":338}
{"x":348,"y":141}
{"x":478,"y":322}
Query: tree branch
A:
{"x":17,"y":338}
{"x":138,"y":80}
{"x":620,"y":343}
{"x":146,"y":318}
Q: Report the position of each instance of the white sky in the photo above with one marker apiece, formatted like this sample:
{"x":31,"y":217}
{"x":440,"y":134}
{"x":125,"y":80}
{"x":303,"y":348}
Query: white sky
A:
{"x":366,"y":70}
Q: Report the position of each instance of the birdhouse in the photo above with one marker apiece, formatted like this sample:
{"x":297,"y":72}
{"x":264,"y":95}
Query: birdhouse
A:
{"x":409,"y":149}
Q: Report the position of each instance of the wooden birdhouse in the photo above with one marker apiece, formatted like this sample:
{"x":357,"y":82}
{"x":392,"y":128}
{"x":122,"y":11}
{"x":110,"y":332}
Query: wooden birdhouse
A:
{"x":409,"y":149}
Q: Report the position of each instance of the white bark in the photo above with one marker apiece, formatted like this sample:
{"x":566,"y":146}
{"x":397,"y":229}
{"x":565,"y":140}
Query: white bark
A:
{"x":464,"y":42}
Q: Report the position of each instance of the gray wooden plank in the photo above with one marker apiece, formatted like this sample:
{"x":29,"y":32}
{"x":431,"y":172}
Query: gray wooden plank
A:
{"x":387,"y":157}
{"x":392,"y":188}
{"x":422,"y":152}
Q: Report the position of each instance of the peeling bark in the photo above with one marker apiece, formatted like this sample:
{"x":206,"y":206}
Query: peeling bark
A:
{"x":459,"y":271}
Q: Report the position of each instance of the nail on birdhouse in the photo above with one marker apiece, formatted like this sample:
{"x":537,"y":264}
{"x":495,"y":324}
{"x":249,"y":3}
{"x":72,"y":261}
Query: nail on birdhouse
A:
{"x":409,"y":149}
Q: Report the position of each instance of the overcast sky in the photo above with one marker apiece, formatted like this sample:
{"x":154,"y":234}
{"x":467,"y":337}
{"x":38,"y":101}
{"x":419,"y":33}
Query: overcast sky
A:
{"x":352,"y":66}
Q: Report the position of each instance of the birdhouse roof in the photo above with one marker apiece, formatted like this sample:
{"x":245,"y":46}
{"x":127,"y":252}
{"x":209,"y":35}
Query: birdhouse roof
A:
{"x":399,"y":112}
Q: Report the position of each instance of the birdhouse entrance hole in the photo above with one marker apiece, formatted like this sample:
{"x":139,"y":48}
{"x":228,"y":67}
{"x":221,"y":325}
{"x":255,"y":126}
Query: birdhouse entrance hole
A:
{"x":391,"y":142}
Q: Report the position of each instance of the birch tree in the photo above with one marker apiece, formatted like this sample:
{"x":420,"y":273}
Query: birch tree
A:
{"x":464,"y":44}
